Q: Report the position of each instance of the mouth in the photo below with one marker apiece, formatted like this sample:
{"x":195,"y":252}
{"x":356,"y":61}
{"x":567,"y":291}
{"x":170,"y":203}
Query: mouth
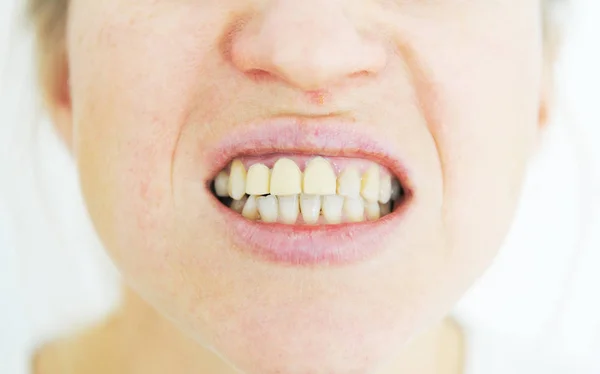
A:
{"x":305,"y":192}
{"x":295,"y":189}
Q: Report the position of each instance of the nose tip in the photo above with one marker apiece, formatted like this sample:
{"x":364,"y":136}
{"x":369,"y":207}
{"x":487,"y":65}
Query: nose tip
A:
{"x":323,"y":64}
{"x":308,"y":49}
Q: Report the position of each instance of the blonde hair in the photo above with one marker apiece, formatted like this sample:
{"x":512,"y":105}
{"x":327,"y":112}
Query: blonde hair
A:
{"x":49,"y":20}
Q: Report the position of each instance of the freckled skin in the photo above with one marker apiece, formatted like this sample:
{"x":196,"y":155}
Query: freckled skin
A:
{"x":456,"y":85}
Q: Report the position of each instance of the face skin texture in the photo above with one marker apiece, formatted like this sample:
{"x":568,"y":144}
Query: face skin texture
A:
{"x":156,"y":85}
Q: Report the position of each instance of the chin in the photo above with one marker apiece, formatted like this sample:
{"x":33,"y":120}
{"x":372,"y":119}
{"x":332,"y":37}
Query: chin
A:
{"x":313,"y":341}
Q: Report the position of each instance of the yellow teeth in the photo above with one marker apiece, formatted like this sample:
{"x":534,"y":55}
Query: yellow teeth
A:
{"x":268,"y":208}
{"x":237,"y":180}
{"x":332,"y":208}
{"x":288,"y":209}
{"x":373,"y":211}
{"x":319,"y":177}
{"x":222,"y":184}
{"x":385,"y":189}
{"x":258,"y":180}
{"x":286,"y":178}
{"x":348,"y":183}
{"x":370,"y":184}
{"x":310,"y":205}
{"x":250,"y":210}
{"x":354,"y":209}
{"x":284,"y":193}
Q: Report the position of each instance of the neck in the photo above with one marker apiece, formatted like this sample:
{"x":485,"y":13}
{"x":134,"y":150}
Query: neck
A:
{"x":150,"y":335}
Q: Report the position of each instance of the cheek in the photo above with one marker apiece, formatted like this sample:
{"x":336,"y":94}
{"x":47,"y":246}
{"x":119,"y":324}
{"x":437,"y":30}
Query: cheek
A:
{"x":482,"y":90}
{"x":125,"y":138}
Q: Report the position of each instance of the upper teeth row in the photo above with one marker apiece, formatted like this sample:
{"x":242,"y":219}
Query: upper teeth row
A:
{"x":319,"y":178}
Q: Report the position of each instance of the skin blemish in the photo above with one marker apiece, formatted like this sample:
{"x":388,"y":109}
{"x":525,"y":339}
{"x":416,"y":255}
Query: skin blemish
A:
{"x":318,"y":97}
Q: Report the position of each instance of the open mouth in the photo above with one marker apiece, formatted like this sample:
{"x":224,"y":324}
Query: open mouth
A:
{"x":308,"y":190}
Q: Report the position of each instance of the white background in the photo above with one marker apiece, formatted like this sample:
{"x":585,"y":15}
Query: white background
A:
{"x":53,"y":276}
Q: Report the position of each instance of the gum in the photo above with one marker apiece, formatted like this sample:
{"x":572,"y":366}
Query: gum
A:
{"x":338,"y":163}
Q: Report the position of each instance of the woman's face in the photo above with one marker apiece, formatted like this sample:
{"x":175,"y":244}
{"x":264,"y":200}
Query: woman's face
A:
{"x":443,"y":96}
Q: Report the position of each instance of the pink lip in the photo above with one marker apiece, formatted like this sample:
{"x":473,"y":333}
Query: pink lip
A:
{"x":303,"y":245}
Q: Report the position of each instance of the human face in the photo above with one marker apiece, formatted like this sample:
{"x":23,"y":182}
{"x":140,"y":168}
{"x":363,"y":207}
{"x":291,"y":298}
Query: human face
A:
{"x":442,"y":95}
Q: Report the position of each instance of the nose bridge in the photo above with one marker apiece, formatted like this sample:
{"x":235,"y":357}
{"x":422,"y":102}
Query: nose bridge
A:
{"x":309,"y":44}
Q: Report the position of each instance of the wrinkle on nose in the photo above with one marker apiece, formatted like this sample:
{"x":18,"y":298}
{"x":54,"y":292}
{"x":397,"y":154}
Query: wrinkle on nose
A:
{"x":309,"y":44}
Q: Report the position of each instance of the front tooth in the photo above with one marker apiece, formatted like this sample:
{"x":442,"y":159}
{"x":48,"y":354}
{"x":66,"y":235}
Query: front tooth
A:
{"x":288,"y":209}
{"x":238,"y":205}
{"x":310,"y":205}
{"x":370,"y":184}
{"x":286,"y":178}
{"x":332,"y":208}
{"x":354,"y":209}
{"x":319,"y":177}
{"x":222,"y":184}
{"x":258,"y":179}
{"x":267,"y":207}
{"x":385,"y":189}
{"x":348,"y":183}
{"x":373,"y":211}
{"x":250,"y":210}
{"x":237,"y":180}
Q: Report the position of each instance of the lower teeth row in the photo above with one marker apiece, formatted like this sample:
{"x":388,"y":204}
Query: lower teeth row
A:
{"x":308,"y":209}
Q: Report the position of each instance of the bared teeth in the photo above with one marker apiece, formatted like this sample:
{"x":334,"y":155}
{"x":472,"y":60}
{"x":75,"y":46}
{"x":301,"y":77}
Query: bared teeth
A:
{"x":373,"y":211}
{"x":268,"y":208}
{"x":258,"y":180}
{"x":310,"y":206}
{"x":332,"y":208}
{"x":319,"y":178}
{"x":237,"y":180}
{"x":354,"y":209}
{"x":288,"y":209}
{"x":385,"y":189}
{"x":286,"y":178}
{"x":250,"y":210}
{"x":348,"y":183}
{"x":283,"y":193}
{"x":370,"y":184}
{"x":222,"y":184}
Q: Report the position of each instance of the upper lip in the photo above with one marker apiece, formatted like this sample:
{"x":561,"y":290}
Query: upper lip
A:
{"x":323,"y":136}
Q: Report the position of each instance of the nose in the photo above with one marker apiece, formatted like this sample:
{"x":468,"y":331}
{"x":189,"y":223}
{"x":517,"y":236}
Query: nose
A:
{"x":309,"y":44}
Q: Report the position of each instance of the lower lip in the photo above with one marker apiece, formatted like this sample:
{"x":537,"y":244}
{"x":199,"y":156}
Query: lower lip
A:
{"x":304,"y":245}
